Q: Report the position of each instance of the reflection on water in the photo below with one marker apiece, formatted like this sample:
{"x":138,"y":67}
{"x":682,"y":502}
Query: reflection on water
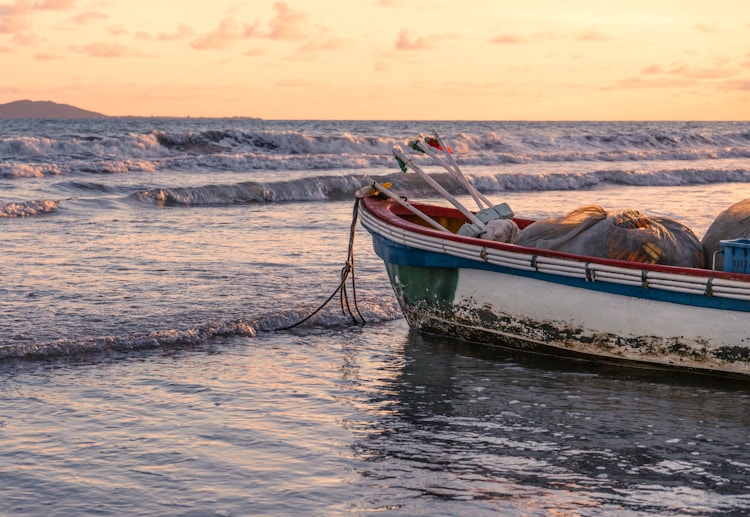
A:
{"x":324,"y":421}
{"x":492,"y":429}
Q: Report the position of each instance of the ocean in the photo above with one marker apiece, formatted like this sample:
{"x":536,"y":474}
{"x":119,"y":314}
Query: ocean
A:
{"x":151,"y":268}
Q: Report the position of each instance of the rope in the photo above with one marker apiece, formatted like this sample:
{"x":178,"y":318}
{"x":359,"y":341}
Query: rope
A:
{"x":348,"y":269}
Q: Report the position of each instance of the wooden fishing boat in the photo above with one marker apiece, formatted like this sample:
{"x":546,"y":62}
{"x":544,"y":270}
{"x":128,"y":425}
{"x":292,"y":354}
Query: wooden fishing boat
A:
{"x":612,"y":311}
{"x":558,"y":303}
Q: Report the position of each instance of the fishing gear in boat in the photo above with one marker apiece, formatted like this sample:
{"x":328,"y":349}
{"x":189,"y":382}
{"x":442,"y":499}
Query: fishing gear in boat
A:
{"x":477,"y":225}
{"x":427,"y":145}
{"x":408,"y":163}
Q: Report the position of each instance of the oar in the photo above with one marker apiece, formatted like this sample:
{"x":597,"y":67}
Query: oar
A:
{"x":421,"y":145}
{"x":458,"y":170}
{"x":383,"y":190}
{"x":399,"y":154}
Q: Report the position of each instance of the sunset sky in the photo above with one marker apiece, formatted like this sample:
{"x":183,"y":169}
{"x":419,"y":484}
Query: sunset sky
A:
{"x":383,"y":59}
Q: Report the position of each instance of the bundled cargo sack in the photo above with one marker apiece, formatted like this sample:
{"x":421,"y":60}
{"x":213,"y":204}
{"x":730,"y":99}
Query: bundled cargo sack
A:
{"x":732,"y":223}
{"x":620,"y":235}
{"x":501,"y":230}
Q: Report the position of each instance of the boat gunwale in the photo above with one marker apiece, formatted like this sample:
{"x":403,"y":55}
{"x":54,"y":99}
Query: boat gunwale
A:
{"x":391,"y":213}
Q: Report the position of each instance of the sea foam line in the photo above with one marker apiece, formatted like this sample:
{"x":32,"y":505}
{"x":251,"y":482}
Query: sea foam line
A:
{"x":373,"y":312}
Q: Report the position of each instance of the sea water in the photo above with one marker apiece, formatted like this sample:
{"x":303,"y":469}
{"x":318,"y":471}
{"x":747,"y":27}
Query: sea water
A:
{"x":148,"y":267}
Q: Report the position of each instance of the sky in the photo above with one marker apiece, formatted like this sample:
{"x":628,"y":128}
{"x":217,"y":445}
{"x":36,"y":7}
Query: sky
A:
{"x":382,"y":59}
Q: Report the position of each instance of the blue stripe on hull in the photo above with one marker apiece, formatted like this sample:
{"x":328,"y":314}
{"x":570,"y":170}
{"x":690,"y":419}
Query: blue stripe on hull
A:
{"x":399,"y":254}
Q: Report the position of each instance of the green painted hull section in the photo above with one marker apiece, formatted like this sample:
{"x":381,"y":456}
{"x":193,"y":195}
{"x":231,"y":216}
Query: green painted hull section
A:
{"x":418,"y":286}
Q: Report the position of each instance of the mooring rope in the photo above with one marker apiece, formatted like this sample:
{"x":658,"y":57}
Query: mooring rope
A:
{"x":348,"y":269}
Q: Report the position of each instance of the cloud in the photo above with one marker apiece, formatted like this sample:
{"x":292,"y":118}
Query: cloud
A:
{"x":181,"y":32}
{"x":641,"y":82}
{"x":683,"y":81}
{"x":221,"y":38}
{"x":303,"y":84}
{"x":45,"y":56}
{"x":505,"y":39}
{"x":55,"y":5}
{"x":739,"y":84}
{"x":707,"y":28}
{"x":287,"y":25}
{"x":405,"y":41}
{"x":17,"y":17}
{"x":254,"y":52}
{"x":25,"y":39}
{"x":592,"y":35}
{"x":720,"y":70}
{"x":85,"y":18}
{"x":709,"y":73}
{"x":14,"y":17}
{"x":322,"y":41}
{"x":117,"y":30}
{"x":678,"y":76}
{"x":315,"y":45}
{"x":108,"y":50}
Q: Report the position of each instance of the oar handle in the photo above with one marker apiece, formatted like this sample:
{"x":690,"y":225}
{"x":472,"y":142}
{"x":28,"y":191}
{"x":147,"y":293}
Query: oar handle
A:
{"x":399,"y":154}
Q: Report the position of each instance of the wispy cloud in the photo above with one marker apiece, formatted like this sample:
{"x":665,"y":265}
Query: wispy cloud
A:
{"x":225,"y":34}
{"x":407,"y":41}
{"x":25,"y":39}
{"x":46,"y":56}
{"x":652,"y":69}
{"x":108,"y":50}
{"x":506,"y":39}
{"x":117,"y":30}
{"x":592,"y":35}
{"x":323,"y":43}
{"x":708,"y":28}
{"x":298,"y":83}
{"x":17,"y":17}
{"x":288,"y":24}
{"x":14,"y":17}
{"x":719,"y":70}
{"x":56,"y":5}
{"x":182,"y":31}
{"x":86,"y":18}
{"x":681,"y":75}
{"x":739,"y":84}
{"x":255,"y":52}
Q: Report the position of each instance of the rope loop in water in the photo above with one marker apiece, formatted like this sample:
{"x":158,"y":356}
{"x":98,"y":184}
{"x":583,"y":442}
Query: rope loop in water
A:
{"x":346,"y":271}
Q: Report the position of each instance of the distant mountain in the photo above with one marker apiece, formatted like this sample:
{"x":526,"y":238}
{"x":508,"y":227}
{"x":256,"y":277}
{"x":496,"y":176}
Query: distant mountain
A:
{"x":44,"y":109}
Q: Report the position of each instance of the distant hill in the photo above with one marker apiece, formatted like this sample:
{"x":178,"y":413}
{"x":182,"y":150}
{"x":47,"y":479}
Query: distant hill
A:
{"x":44,"y":110}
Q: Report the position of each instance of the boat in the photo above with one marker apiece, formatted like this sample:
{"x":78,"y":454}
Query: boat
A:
{"x":648,"y":315}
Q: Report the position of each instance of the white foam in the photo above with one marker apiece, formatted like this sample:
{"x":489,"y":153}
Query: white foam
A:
{"x":28,"y":208}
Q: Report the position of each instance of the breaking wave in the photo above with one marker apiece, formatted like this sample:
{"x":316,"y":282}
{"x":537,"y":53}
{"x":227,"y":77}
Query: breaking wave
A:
{"x":276,"y":147}
{"x":28,"y":208}
{"x":319,"y":188}
{"x":341,"y":188}
{"x":374,"y":313}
